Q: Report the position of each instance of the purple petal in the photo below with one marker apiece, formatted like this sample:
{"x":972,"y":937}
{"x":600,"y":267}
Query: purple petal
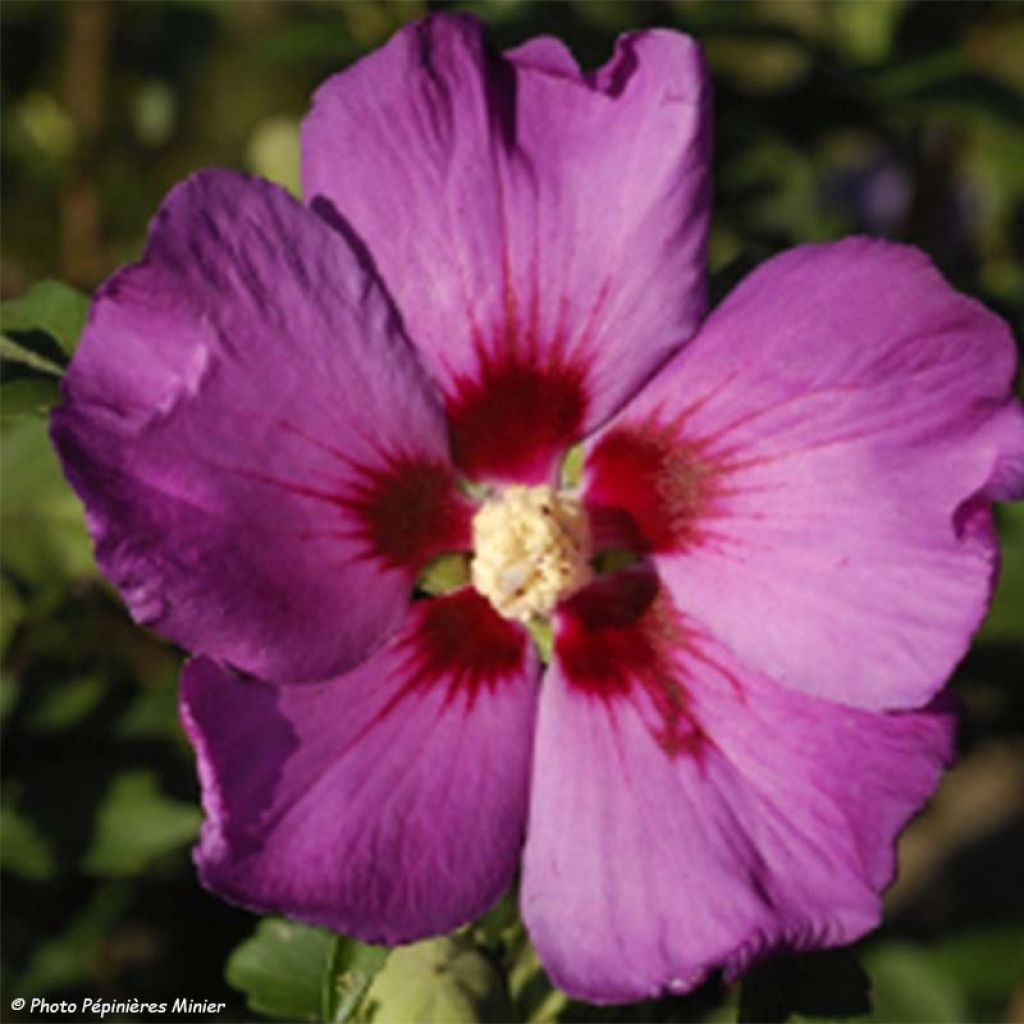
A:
{"x":388,"y":803}
{"x":689,"y":814}
{"x":813,"y":473}
{"x":541,"y":230}
{"x":253,"y":438}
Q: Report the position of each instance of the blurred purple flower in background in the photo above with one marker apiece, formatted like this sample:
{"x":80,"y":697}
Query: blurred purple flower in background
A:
{"x":271,"y":418}
{"x":875,"y":191}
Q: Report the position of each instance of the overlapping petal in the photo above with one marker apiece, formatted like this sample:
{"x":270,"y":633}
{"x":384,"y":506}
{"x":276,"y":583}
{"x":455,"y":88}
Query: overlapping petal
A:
{"x":813,"y":473}
{"x":254,"y":438}
{"x":388,"y":803}
{"x":688,"y":813}
{"x":541,"y":230}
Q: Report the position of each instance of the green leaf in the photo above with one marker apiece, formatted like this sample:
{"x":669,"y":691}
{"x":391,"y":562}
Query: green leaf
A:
{"x":136,"y":824}
{"x":50,"y":306}
{"x":28,"y":396}
{"x":865,"y":32}
{"x":153,"y":714}
{"x":501,"y":920}
{"x":445,"y":979}
{"x":67,"y":703}
{"x":351,"y":969}
{"x":908,"y":986}
{"x":826,"y":984}
{"x":1002,"y":625}
{"x":281,"y":967}
{"x":45,"y":539}
{"x":529,"y":987}
{"x":23,"y":849}
{"x":987,"y":963}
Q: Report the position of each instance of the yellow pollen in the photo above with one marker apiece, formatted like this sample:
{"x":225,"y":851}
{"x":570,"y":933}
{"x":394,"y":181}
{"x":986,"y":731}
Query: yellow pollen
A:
{"x":531,"y":548}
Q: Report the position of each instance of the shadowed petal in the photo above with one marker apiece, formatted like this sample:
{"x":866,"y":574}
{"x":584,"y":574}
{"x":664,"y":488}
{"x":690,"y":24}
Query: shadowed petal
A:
{"x":813,"y":473}
{"x":689,"y":814}
{"x":253,"y":438}
{"x":542,"y":230}
{"x":388,"y":803}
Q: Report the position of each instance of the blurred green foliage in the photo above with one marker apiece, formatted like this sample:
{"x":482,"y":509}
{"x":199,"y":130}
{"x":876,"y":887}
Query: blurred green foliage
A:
{"x":893,"y":117}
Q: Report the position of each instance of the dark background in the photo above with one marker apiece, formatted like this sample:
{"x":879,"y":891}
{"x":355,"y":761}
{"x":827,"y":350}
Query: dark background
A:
{"x":900,"y":119}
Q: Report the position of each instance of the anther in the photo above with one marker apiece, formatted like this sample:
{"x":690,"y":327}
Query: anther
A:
{"x":531,"y":549}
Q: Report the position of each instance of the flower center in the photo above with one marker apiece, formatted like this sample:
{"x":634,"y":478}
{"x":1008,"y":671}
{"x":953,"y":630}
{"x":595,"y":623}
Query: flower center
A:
{"x":531,"y":549}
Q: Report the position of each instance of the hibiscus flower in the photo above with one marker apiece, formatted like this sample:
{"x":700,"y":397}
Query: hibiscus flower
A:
{"x":777,"y":549}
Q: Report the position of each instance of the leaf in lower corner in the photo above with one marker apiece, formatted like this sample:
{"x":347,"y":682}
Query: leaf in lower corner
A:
{"x":280,"y":969}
